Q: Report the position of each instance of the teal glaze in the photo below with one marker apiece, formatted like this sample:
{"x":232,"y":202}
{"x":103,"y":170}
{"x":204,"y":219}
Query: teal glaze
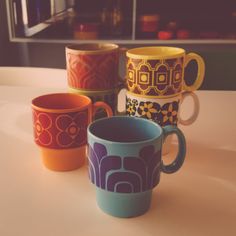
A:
{"x":115,"y":150}
{"x":179,"y":160}
{"x":137,"y":124}
{"x":123,"y":205}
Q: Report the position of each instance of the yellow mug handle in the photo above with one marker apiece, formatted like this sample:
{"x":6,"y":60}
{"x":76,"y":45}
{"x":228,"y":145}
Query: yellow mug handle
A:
{"x":201,"y":71}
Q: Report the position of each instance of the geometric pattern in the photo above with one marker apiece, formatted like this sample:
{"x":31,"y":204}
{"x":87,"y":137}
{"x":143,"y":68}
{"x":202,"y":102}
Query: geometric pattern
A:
{"x":93,"y":71}
{"x":166,"y":114}
{"x":155,"y":77}
{"x":128,"y":174}
{"x":60,"y":131}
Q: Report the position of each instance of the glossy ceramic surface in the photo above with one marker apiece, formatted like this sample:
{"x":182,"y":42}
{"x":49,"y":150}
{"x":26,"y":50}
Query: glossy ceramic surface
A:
{"x":125,"y":155}
{"x":159,"y":71}
{"x":123,"y":205}
{"x":60,"y":127}
{"x":92,"y":66}
{"x":163,"y":111}
{"x":63,"y":159}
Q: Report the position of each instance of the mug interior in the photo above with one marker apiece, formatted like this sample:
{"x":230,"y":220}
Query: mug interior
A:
{"x":125,"y":129}
{"x":95,"y":47}
{"x":155,"y":52}
{"x":60,"y":101}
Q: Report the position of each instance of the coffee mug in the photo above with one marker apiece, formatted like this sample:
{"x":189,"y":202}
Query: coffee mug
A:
{"x":159,"y":71}
{"x":164,"y":111}
{"x":60,"y":123}
{"x":125,"y":162}
{"x":93,"y":66}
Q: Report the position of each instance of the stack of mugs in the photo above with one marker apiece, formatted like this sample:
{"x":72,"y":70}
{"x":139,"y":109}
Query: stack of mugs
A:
{"x":92,"y":70}
{"x":156,"y":84}
{"x":124,"y":153}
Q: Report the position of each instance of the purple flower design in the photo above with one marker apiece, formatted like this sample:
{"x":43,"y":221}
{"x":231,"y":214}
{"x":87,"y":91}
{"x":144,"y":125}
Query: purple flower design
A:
{"x":127,"y":174}
{"x":72,"y":129}
{"x":100,"y":164}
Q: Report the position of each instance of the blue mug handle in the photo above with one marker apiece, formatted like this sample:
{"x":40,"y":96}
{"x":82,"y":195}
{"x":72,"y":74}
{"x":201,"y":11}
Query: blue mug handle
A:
{"x":179,"y":160}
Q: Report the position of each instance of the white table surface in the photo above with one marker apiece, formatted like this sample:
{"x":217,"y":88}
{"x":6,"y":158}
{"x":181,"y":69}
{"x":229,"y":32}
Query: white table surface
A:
{"x":200,"y":199}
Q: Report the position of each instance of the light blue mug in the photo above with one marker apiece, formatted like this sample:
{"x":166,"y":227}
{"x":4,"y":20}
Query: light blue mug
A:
{"x":125,"y":162}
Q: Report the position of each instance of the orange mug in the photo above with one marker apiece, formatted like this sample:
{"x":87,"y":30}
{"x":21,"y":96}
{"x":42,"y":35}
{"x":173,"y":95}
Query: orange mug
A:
{"x":60,"y":123}
{"x":93,"y":67}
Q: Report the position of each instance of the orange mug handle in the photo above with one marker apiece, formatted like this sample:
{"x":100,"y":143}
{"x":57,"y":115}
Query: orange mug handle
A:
{"x":98,"y":105}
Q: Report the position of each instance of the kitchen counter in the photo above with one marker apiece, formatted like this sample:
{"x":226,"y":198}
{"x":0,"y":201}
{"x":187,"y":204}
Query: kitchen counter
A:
{"x":200,"y":199}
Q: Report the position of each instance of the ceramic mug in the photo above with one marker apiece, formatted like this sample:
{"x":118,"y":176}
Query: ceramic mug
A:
{"x":93,"y":66}
{"x":125,"y":162}
{"x":164,"y":111}
{"x":159,"y":71}
{"x":110,"y":97}
{"x":60,"y":123}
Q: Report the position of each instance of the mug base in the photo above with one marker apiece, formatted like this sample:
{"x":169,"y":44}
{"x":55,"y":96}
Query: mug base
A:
{"x":63,"y":159}
{"x":123,"y":205}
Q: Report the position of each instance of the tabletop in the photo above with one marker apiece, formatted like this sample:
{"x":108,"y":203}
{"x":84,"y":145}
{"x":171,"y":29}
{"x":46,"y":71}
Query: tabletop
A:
{"x":200,"y":199}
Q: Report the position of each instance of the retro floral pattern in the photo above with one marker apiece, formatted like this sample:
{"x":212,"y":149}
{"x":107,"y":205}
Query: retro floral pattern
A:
{"x":148,"y":109}
{"x":72,"y":130}
{"x":128,"y":174}
{"x":166,"y":114}
{"x":42,"y":124}
{"x":131,"y":106}
{"x":56,"y":130}
{"x":169,"y":113}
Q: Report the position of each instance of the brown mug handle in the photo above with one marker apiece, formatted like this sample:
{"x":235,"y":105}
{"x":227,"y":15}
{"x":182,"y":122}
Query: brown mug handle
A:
{"x":122,"y":81}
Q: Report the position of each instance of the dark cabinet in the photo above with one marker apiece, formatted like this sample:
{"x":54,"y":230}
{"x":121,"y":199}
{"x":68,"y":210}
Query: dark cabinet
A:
{"x":125,"y":21}
{"x":42,"y":29}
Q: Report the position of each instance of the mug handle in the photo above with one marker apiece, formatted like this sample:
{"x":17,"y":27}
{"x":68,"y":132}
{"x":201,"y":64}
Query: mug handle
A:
{"x":122,"y":98}
{"x":121,"y":80}
{"x":179,"y":160}
{"x":196,"y":106}
{"x":201,"y":71}
{"x":103,"y":105}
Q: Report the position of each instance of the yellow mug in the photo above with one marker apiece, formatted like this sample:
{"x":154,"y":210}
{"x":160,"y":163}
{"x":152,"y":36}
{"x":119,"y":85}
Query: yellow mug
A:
{"x":159,"y":71}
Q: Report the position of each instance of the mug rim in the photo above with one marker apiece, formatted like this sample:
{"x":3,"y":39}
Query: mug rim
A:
{"x":148,"y":140}
{"x":43,"y":108}
{"x":78,"y":48}
{"x":141,"y":52}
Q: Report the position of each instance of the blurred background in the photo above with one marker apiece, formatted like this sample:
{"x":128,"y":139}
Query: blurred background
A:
{"x":34,"y":33}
